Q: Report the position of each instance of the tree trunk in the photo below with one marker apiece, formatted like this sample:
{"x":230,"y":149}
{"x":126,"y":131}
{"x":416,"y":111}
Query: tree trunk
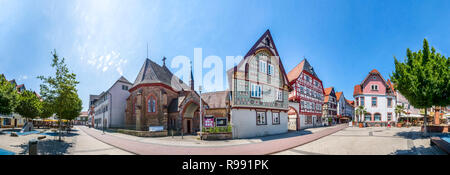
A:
{"x":425,"y":123}
{"x":59,"y":133}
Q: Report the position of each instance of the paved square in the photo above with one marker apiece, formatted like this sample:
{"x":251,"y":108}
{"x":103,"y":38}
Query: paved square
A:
{"x":369,"y":141}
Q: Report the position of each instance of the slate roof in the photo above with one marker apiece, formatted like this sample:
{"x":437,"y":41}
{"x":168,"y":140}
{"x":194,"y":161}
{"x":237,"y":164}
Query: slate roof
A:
{"x":297,"y":70}
{"x":154,"y":73}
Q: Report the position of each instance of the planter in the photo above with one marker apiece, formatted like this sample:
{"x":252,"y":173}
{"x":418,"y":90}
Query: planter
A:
{"x":361,"y":125}
{"x":437,"y":128}
{"x":216,"y":136}
{"x":399,"y":125}
{"x":143,"y":133}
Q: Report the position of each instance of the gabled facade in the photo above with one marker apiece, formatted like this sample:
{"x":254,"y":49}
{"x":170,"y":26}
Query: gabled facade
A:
{"x":159,"y":99}
{"x":306,"y":98}
{"x":329,"y":111}
{"x":344,"y":109}
{"x":378,"y":97}
{"x":349,"y":109}
{"x":259,"y":92}
{"x":109,"y":106}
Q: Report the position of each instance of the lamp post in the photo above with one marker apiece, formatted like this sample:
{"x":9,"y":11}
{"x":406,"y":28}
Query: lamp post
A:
{"x":201,"y":116}
{"x":103,"y":121}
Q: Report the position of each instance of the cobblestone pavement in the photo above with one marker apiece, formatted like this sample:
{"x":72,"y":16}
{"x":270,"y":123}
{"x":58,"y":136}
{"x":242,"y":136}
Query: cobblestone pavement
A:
{"x":166,"y":146}
{"x":369,"y":141}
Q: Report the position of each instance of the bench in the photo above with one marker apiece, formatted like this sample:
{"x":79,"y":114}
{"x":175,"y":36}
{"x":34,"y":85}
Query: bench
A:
{"x":442,"y":144}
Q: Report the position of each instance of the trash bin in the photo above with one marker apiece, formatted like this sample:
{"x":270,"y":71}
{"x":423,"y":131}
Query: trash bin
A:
{"x":32,"y":147}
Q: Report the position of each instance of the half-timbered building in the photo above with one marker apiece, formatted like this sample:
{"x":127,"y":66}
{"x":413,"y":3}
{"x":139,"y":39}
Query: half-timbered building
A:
{"x":306,"y":98}
{"x":259,"y":92}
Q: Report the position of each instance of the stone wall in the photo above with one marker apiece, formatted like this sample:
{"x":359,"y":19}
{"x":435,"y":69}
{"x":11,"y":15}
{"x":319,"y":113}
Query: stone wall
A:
{"x":159,"y":118}
{"x":143,"y":133}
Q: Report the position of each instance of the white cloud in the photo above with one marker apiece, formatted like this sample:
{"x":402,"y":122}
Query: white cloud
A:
{"x":106,"y":61}
{"x":23,"y":77}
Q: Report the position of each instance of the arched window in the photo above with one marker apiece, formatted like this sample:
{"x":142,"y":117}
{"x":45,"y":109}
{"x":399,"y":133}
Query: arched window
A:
{"x":367,"y":117}
{"x":151,"y":103}
{"x":377,"y":117}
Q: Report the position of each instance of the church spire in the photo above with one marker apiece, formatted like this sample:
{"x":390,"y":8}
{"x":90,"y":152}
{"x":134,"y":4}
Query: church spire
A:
{"x":192,"y":78}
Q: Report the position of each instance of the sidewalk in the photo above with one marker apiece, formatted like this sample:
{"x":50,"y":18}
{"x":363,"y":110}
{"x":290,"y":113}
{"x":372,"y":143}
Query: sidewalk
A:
{"x":261,"y":148}
{"x":87,"y":145}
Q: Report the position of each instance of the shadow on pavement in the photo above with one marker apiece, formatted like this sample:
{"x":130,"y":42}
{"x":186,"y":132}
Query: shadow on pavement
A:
{"x":63,"y":134}
{"x":410,"y":135}
{"x":284,"y":135}
{"x":419,"y":151}
{"x":48,"y":147}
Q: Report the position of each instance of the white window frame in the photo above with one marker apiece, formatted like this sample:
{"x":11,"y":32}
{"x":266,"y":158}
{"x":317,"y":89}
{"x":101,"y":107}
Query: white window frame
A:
{"x":262,"y":66}
{"x":276,"y":117}
{"x":279,"y":95}
{"x":263,"y":120}
{"x":270,"y":69}
{"x":376,"y":87}
{"x":256,"y":91}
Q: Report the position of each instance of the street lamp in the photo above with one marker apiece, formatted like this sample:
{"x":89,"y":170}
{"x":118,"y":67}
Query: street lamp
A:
{"x":201,"y":116}
{"x":103,"y":121}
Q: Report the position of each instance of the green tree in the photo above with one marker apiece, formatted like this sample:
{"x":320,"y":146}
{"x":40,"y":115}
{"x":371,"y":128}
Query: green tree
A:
{"x":399,"y":109}
{"x":360,"y":110}
{"x":29,"y":105}
{"x":60,"y":93}
{"x":8,"y":96}
{"x":424,"y":78}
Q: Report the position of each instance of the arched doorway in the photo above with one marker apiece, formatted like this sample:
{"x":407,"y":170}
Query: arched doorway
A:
{"x":293,"y":119}
{"x":190,"y":116}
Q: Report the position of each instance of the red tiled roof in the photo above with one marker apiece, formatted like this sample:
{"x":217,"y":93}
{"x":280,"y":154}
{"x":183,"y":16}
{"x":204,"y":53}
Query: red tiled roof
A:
{"x":391,"y":85}
{"x":328,"y":90}
{"x":351,"y":102}
{"x":338,"y":95}
{"x":326,"y":99}
{"x":375,"y":71}
{"x":357,"y":90}
{"x":295,"y":72}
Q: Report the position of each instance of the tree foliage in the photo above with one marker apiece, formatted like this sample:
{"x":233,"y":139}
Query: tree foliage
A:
{"x":8,"y":96}
{"x":424,"y":77}
{"x":29,"y":105}
{"x":59,"y":92}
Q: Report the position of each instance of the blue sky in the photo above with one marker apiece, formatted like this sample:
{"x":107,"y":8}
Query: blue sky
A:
{"x":102,"y":40}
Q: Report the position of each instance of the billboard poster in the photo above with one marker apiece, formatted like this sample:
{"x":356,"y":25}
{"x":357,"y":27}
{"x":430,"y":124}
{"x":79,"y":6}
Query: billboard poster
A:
{"x":208,"y":122}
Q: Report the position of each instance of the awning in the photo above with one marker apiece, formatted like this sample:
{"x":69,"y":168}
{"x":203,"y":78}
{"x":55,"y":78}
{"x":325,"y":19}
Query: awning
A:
{"x":49,"y":120}
{"x":412,"y":116}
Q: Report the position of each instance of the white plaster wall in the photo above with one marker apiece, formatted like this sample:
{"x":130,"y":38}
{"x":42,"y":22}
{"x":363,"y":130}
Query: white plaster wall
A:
{"x":244,"y":124}
{"x":381,"y":106}
{"x":119,"y":104}
{"x":303,"y":124}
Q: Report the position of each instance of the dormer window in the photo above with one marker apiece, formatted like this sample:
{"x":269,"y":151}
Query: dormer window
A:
{"x":374,"y":87}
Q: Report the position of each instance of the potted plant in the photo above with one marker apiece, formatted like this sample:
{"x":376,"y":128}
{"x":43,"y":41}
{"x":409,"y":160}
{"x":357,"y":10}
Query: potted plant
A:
{"x":399,"y":124}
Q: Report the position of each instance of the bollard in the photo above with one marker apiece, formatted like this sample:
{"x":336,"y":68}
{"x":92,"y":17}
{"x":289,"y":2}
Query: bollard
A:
{"x":171,"y":131}
{"x":32,"y":147}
